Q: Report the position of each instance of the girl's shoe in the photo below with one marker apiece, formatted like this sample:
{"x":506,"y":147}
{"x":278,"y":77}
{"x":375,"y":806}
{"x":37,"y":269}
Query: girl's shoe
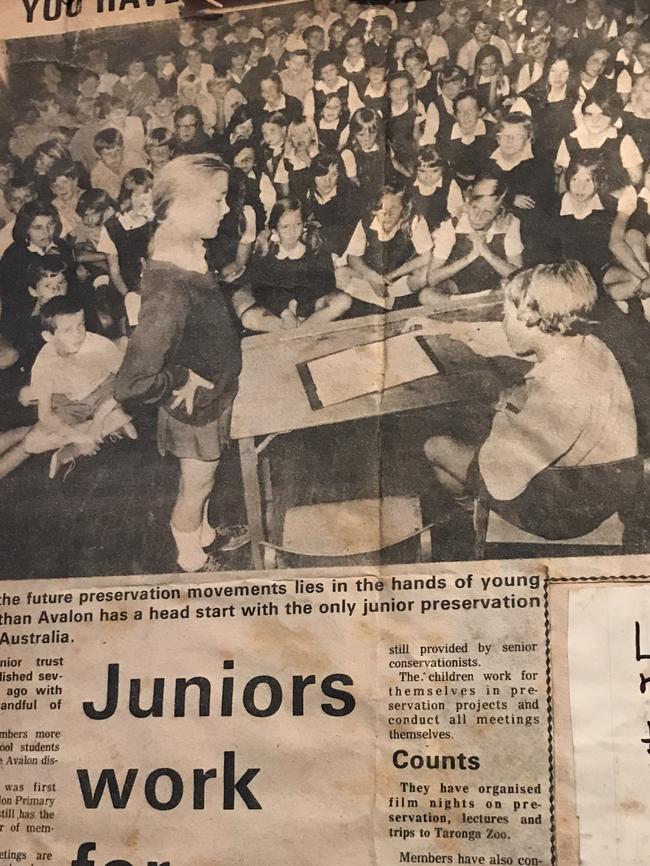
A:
{"x":229,"y":538}
{"x":66,"y":456}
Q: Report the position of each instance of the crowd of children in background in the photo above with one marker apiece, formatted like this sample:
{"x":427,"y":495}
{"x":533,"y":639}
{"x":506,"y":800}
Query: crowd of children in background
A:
{"x":381,"y":155}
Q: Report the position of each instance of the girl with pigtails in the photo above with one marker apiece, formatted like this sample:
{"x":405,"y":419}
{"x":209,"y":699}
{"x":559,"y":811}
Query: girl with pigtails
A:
{"x":291,"y":276}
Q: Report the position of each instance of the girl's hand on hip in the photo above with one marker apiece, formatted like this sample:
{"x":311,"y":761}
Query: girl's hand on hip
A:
{"x":187,"y":393}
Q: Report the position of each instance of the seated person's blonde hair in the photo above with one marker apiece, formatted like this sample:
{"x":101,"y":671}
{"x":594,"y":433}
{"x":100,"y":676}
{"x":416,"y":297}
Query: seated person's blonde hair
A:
{"x":556,"y":298}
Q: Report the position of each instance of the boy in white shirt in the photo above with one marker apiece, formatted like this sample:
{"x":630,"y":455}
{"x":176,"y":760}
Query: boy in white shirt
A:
{"x":72,"y":382}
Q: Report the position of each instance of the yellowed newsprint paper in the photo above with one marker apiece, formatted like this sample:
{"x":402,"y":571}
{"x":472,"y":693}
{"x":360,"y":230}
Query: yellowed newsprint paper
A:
{"x":461,"y":714}
{"x":323,"y":433}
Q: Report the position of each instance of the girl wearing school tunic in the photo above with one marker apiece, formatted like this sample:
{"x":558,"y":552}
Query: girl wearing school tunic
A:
{"x":301,"y":147}
{"x":435,"y":193}
{"x":470,"y":141}
{"x":451,"y":81}
{"x":326,"y":70}
{"x":353,"y":66}
{"x":592,"y":222}
{"x":598,"y":137}
{"x":364,"y":158}
{"x":473,"y":251}
{"x":333,"y":202}
{"x":389,"y":244}
{"x":636,"y":117}
{"x":552,"y":108}
{"x":293,"y":277}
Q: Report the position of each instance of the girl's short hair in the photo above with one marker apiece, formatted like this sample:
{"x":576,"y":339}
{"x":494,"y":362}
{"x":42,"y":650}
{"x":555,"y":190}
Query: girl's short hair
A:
{"x":484,"y":52}
{"x":451,"y":72}
{"x":160,"y":137}
{"x":394,"y":189}
{"x":404,"y":75}
{"x":106,"y":139}
{"x":352,"y":35}
{"x":117,"y":102}
{"x":312,"y":30}
{"x":416,"y":53}
{"x":94,"y":201}
{"x":365,"y":117}
{"x":276,"y":118}
{"x":330,"y":96}
{"x":339,"y":22}
{"x":188,"y":111}
{"x":237,"y":49}
{"x":64,"y":168}
{"x":428,"y":157}
{"x":283,"y":206}
{"x":32,"y":211}
{"x":516,"y":118}
{"x":137,"y":178}
{"x":556,"y":298}
{"x":491,"y":187}
{"x":275,"y":78}
{"x":375,"y":59}
{"x":606,"y":99}
{"x":466,"y":94}
{"x":582,"y":160}
{"x":53,"y":149}
{"x":325,"y":58}
{"x":51,"y":263}
{"x":323,"y":162}
{"x":242,"y":144}
{"x":172,"y":179}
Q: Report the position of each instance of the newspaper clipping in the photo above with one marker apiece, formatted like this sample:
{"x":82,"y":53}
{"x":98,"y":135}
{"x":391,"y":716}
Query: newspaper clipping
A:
{"x":324,"y":399}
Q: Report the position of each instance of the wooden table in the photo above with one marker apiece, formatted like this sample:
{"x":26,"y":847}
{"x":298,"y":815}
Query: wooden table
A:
{"x":272,"y":399}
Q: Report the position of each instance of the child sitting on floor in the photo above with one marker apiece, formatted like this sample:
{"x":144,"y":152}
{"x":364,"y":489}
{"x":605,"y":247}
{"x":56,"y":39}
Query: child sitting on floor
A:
{"x":293,"y":279}
{"x":72,"y":381}
{"x":574,"y":412}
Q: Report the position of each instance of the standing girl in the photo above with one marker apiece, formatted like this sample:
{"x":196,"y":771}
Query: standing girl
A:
{"x":184,"y":356}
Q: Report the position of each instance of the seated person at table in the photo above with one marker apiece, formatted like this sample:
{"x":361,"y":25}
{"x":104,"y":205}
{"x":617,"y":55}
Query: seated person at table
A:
{"x":72,"y":381}
{"x":472,"y":252}
{"x":293,"y":280}
{"x":573,"y":412}
{"x":390,"y":244}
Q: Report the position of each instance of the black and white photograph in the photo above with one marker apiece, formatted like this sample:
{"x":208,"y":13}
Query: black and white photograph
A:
{"x":326,"y":283}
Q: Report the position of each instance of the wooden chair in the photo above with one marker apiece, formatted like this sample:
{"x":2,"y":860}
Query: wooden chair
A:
{"x":351,"y":529}
{"x":608,"y":537}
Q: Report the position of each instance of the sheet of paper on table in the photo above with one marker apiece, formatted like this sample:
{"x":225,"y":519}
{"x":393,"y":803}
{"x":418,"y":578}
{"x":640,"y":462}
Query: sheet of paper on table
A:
{"x":370,"y":369}
{"x":361,"y":290}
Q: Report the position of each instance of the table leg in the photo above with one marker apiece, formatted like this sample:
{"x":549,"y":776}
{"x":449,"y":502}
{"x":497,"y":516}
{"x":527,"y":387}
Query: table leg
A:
{"x":252,"y":497}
